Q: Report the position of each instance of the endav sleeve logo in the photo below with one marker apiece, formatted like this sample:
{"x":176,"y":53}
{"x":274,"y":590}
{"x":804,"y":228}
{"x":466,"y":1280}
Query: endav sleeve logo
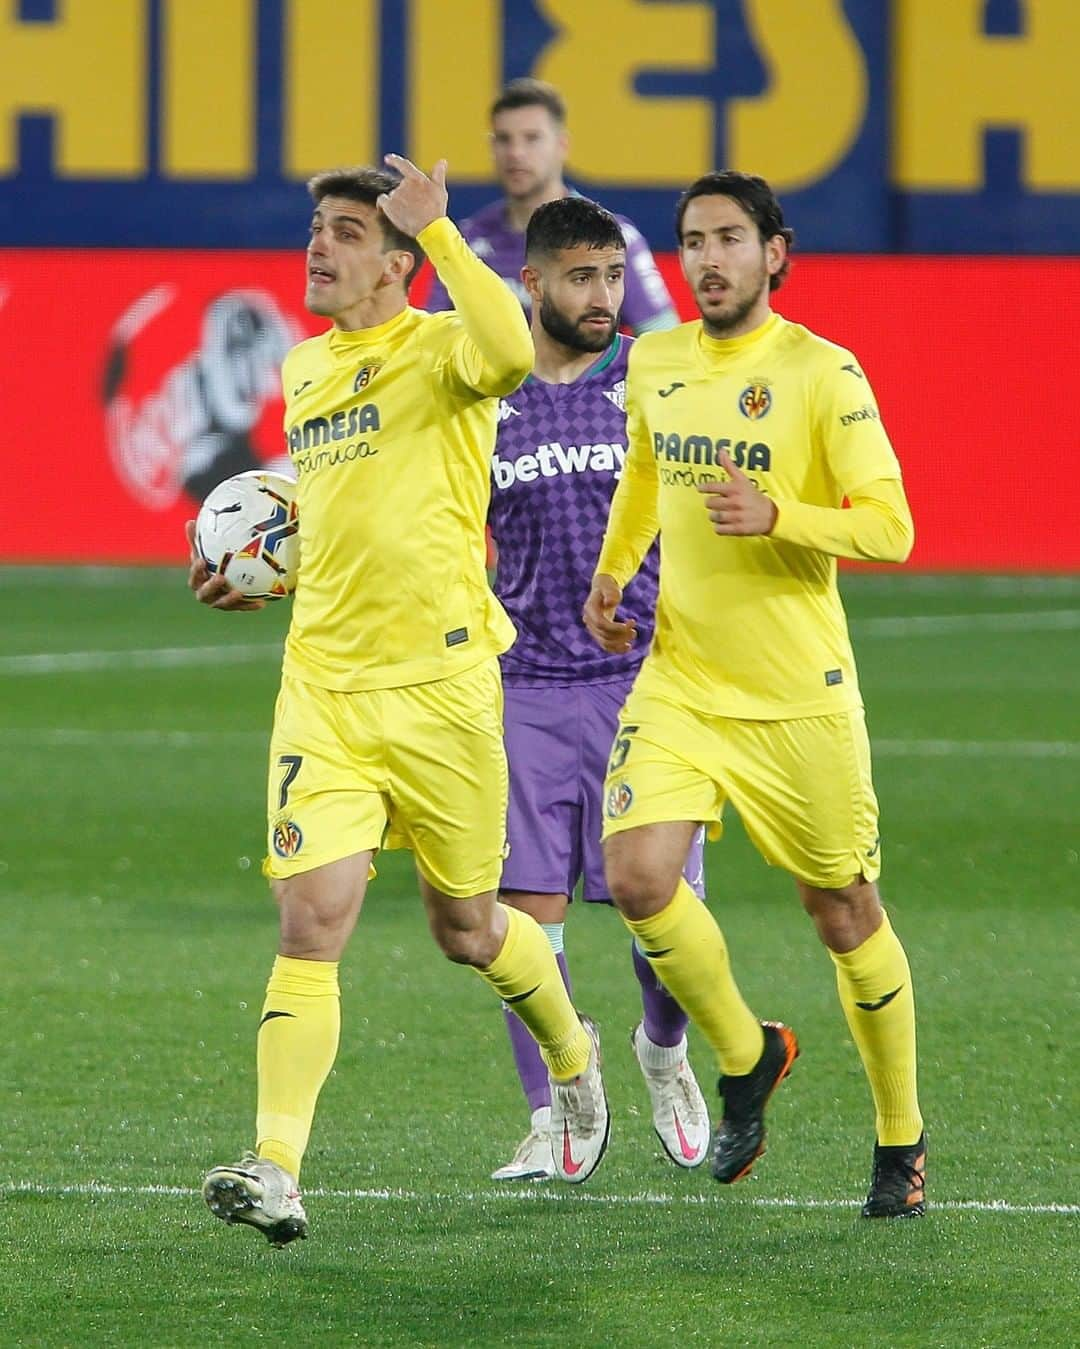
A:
{"x":867,"y":413}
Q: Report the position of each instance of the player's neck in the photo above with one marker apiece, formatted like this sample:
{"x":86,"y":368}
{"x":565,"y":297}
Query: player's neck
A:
{"x":372,"y":311}
{"x":557,"y":364}
{"x":519,"y":209}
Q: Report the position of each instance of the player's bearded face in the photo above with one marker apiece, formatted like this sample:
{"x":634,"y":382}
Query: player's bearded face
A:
{"x":725,"y":262}
{"x":582,"y":296}
{"x":591,"y":331}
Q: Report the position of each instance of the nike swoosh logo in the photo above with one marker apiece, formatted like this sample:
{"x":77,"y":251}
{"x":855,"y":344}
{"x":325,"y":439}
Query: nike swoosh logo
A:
{"x":854,"y":370}
{"x":569,"y":1165}
{"x":684,"y":1147}
{"x":666,"y":393}
{"x":520,"y":997}
{"x":269,"y":1016}
{"x":877,"y":845}
{"x":881,"y":1002}
{"x":300,"y":388}
{"x":655,"y":955}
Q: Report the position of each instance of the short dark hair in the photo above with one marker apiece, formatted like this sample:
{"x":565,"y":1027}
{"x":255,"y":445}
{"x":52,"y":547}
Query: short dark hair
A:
{"x":570,"y":222}
{"x":530,"y":93}
{"x":756,"y":198}
{"x":368,"y":185}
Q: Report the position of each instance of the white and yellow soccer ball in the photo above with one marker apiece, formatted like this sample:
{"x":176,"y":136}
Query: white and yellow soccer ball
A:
{"x":246,"y":531}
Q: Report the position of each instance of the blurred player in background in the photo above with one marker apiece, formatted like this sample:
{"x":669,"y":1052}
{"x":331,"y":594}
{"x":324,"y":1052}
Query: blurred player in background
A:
{"x":747,"y":433}
{"x":529,"y":144}
{"x":389,"y":717}
{"x":558,"y":454}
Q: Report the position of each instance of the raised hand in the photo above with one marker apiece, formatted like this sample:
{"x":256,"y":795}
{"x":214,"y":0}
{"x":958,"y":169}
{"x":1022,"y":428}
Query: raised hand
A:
{"x":417,"y":200}
{"x":736,"y":506}
{"x":614,"y":635}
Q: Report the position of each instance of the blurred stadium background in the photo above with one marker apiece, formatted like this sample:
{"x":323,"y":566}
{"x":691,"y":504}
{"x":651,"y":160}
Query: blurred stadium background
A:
{"x":152,"y":214}
{"x":152,"y":221}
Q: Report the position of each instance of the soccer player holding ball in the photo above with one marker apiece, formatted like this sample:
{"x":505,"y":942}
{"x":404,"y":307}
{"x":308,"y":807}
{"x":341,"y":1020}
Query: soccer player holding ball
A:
{"x":389,"y":717}
{"x":746,"y":435}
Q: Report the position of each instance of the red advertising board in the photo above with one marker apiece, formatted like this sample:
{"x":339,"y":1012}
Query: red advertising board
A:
{"x":135,"y":380}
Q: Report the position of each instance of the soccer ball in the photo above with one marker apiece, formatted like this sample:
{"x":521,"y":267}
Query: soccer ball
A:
{"x":246,"y":531}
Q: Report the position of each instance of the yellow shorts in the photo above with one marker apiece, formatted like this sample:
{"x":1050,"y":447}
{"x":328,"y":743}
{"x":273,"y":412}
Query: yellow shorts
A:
{"x":421,"y":767}
{"x":802,"y":788}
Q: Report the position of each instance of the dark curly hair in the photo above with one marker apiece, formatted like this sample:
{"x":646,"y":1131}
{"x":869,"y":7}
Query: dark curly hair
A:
{"x":756,"y":198}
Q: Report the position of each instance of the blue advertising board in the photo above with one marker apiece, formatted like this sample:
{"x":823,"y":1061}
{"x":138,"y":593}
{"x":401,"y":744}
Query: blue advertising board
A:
{"x":884,"y":125}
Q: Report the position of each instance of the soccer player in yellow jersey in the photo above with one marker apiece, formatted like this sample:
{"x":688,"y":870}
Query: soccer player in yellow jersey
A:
{"x":747,"y":434}
{"x":388,"y":725}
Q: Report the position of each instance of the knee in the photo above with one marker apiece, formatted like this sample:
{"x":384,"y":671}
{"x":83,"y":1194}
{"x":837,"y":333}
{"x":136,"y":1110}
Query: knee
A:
{"x":637,"y":891}
{"x":846,"y":916}
{"x":467,"y":946}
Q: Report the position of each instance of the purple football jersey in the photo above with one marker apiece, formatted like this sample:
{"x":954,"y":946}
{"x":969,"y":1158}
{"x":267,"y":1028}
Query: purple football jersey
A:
{"x":559,"y":452}
{"x":646,"y":306}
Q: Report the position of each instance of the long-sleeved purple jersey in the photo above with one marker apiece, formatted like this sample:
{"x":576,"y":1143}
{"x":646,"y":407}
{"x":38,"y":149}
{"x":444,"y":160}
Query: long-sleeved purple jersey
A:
{"x":646,"y":308}
{"x":558,"y":455}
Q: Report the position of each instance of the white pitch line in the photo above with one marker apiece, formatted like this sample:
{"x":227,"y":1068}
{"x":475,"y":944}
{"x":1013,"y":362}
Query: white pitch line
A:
{"x":153,"y":658}
{"x":58,"y":737}
{"x":977,"y":749}
{"x":933,"y":625}
{"x":178,"y":657}
{"x":532,"y":1193}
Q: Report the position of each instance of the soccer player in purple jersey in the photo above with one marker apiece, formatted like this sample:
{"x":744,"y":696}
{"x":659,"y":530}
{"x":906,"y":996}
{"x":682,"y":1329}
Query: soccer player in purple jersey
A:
{"x":529,"y":144}
{"x":558,"y":454}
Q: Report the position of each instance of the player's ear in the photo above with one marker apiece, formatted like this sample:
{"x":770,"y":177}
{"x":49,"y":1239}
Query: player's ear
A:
{"x":399,"y":265}
{"x":775,"y":253}
{"x":530,"y":277}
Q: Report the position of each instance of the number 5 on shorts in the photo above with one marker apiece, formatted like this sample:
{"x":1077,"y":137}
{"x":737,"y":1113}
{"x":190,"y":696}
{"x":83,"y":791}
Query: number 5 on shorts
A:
{"x":291,"y":764}
{"x":621,"y":748}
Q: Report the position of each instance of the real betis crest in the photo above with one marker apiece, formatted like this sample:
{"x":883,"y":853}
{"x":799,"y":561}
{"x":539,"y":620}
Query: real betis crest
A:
{"x":617,"y":395}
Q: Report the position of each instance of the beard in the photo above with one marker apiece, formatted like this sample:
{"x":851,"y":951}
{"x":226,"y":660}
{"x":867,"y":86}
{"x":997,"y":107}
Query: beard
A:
{"x":568,"y":332}
{"x":743,"y":301}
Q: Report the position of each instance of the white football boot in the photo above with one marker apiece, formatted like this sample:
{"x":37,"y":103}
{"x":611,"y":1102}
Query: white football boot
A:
{"x":533,"y":1160}
{"x":580,"y":1119}
{"x":260,"y":1193}
{"x":680,"y":1115}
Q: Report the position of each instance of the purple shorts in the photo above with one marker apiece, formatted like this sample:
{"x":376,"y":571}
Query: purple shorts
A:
{"x":558,"y":741}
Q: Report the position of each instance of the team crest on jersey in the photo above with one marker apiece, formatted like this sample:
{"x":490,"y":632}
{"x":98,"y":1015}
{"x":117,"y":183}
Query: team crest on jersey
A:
{"x":619,"y":799}
{"x":286,"y":838}
{"x":365,"y":375}
{"x":617,"y":395}
{"x":755,"y":400}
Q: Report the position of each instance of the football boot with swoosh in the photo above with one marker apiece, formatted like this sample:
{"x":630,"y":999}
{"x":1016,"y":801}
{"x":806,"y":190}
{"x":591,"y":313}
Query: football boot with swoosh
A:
{"x":580,"y":1119}
{"x":680,"y":1115}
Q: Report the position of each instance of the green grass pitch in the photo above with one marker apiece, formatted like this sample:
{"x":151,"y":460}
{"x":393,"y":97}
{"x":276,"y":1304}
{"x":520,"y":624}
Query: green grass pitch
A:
{"x":137,"y":935}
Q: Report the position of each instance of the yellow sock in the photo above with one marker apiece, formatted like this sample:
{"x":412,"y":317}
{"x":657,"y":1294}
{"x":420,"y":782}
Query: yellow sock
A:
{"x":687,"y":950}
{"x":297,"y":1045}
{"x":875,"y":992}
{"x":526,"y":976}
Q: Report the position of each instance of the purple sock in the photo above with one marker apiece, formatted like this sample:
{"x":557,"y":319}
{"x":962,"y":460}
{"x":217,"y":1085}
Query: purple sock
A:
{"x":665,"y":1020}
{"x":531,"y":1068}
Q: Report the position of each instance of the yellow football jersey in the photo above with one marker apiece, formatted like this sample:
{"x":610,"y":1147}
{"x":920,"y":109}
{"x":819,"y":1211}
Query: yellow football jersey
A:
{"x":753,"y":627}
{"x":391,"y":431}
